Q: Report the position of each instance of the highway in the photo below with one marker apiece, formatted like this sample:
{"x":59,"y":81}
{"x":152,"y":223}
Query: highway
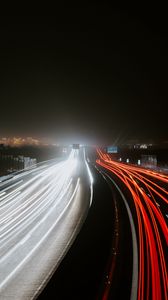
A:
{"x":41,"y":212}
{"x":81,"y":229}
{"x":145,"y":196}
{"x":101,"y":255}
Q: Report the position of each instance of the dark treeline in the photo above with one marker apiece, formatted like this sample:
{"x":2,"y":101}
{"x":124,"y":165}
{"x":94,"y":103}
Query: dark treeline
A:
{"x":10,"y":156}
{"x":39,"y":152}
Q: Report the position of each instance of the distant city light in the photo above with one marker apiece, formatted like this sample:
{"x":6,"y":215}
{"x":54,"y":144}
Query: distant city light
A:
{"x":20,"y":141}
{"x":143,"y":146}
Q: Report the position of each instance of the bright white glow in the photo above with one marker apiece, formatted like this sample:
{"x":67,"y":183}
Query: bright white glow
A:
{"x":90,"y":177}
{"x":89,"y":172}
{"x":32,"y":205}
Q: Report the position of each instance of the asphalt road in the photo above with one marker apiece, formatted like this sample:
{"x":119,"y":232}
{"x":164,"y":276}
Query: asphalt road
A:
{"x":41,"y":212}
{"x":100,"y":259}
{"x":79,"y":230}
{"x":120,"y":252}
{"x":145,"y":194}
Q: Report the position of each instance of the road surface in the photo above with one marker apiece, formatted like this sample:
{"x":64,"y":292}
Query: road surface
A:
{"x":101,"y":255}
{"x":41,"y":213}
{"x":145,"y":195}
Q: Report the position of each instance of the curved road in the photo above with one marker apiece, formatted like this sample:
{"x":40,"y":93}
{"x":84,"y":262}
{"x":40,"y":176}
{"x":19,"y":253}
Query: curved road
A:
{"x":146,"y":198}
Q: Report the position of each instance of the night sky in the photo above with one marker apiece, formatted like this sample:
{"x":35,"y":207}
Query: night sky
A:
{"x":90,"y":74}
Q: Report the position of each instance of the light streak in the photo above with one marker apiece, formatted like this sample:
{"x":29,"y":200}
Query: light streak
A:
{"x":31,"y":209}
{"x":90,"y":177}
{"x":149,"y":198}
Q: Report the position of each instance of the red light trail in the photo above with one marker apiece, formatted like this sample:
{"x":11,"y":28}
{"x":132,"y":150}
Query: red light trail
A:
{"x":149,"y":199}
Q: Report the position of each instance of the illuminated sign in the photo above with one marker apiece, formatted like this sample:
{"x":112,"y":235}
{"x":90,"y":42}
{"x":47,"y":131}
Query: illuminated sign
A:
{"x":112,"y":149}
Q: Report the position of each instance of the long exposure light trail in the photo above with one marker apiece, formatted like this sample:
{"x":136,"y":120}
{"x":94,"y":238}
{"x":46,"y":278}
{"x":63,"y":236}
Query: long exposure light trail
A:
{"x":41,"y":211}
{"x":150,"y":199}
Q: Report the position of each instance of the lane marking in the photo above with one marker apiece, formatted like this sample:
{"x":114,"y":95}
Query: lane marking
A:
{"x":134,"y":288}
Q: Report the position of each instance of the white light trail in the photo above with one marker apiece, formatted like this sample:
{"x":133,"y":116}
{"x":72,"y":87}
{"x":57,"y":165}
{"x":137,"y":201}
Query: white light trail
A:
{"x":32,"y":206}
{"x":90,"y":177}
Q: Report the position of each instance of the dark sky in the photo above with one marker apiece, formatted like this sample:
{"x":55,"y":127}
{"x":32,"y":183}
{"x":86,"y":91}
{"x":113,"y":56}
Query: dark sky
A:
{"x":89,"y":73}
